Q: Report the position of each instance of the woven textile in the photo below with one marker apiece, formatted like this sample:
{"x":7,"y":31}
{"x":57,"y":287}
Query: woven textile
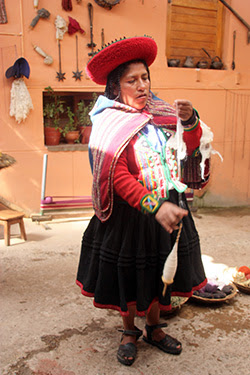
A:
{"x":3,"y":15}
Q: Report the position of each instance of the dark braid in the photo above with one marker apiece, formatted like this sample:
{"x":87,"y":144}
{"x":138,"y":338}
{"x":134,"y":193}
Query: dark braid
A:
{"x":113,"y":81}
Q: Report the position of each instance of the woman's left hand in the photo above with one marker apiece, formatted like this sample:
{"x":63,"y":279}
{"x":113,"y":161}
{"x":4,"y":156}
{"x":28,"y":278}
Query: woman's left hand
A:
{"x":184,"y":109}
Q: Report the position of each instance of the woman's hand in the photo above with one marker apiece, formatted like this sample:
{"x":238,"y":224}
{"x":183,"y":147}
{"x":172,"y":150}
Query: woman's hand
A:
{"x":184,"y":109}
{"x":169,"y":215}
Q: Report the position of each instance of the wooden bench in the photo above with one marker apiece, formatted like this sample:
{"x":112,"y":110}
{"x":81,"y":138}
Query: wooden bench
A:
{"x":9,"y":217}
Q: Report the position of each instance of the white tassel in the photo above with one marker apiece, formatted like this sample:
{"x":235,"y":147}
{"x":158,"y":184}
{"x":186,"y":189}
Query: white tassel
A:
{"x":35,"y":3}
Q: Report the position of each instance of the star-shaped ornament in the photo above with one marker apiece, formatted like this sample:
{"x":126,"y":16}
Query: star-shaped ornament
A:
{"x":60,"y":76}
{"x":77,"y":75}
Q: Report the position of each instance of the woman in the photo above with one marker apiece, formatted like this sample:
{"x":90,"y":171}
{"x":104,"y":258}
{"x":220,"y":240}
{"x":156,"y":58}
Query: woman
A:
{"x":135,"y":196}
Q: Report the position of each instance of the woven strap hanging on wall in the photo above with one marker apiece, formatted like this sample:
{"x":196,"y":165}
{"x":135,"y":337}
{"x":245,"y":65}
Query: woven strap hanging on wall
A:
{"x":3,"y":15}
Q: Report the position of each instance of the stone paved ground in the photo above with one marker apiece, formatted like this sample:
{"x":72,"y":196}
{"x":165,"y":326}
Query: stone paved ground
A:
{"x":48,"y":328}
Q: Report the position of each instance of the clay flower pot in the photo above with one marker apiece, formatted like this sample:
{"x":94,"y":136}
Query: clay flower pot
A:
{"x":72,"y":136}
{"x":85,"y":133}
{"x":52,"y":136}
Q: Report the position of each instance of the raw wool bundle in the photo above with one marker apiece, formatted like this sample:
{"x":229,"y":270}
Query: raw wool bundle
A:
{"x":20,"y":100}
{"x":176,"y":142}
{"x":205,"y":147}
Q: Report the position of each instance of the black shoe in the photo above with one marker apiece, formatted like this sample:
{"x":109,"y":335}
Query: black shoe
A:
{"x":169,"y":344}
{"x":129,"y":350}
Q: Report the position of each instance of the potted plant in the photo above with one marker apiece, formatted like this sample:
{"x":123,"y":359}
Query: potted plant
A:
{"x":70,"y":131}
{"x":51,"y":112}
{"x":83,"y":118}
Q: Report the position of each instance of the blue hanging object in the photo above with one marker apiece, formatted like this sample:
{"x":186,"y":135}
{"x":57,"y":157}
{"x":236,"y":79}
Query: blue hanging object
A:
{"x":20,"y":68}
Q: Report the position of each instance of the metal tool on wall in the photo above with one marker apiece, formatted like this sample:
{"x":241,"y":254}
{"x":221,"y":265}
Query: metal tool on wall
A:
{"x":239,"y":18}
{"x":78,"y":74}
{"x":60,"y":75}
{"x":91,"y":44}
{"x":102,"y":36}
{"x":234,"y":38}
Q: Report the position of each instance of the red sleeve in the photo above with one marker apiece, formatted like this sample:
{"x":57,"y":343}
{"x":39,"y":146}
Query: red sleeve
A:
{"x":126,"y":185}
{"x":192,"y":138}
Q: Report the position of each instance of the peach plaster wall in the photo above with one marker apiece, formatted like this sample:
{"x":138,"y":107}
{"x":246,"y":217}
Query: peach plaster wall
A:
{"x":221,"y":97}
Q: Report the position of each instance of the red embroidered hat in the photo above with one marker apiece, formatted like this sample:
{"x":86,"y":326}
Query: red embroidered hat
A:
{"x":119,"y":52}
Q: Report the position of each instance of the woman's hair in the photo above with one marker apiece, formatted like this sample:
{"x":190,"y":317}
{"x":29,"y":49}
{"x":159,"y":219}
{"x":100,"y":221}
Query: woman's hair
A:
{"x":113,"y":81}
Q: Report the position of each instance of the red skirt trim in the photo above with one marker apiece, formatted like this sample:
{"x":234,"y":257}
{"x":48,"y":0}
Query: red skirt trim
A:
{"x":133,"y":303}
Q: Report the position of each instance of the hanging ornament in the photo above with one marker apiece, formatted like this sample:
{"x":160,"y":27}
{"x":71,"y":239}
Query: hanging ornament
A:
{"x":74,"y":26}
{"x":41,"y":13}
{"x":67,"y":5}
{"x":60,"y":75}
{"x":20,"y":68}
{"x":20,"y":100}
{"x":61,"y":27}
{"x":102,"y":37}
{"x":78,"y":74}
{"x":48,"y":59}
{"x":91,"y":44}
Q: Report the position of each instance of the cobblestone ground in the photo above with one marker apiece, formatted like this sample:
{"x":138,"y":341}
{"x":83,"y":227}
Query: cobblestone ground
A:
{"x":49,"y":328}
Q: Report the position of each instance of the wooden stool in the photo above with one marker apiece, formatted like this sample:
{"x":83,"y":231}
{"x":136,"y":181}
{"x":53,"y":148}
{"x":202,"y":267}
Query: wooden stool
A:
{"x":9,"y":217}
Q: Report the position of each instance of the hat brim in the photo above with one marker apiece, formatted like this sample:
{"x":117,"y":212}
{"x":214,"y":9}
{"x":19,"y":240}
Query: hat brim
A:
{"x":119,"y":52}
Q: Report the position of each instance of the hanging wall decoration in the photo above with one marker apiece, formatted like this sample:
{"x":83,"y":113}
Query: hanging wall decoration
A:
{"x":102,"y":37}
{"x":48,"y":59}
{"x":91,"y":44}
{"x":108,"y":4}
{"x":41,"y":13}
{"x":74,"y":26}
{"x":20,"y":101}
{"x":3,"y":15}
{"x":78,"y":74}
{"x":67,"y":5}
{"x":59,"y":75}
{"x":61,"y":27}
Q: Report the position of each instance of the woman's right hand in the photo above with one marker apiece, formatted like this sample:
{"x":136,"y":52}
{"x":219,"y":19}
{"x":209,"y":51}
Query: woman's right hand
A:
{"x":169,"y":215}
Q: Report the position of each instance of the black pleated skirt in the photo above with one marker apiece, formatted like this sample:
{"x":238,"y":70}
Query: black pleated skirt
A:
{"x":122,"y":260}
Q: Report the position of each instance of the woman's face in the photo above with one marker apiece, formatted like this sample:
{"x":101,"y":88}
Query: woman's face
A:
{"x":134,"y":86}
